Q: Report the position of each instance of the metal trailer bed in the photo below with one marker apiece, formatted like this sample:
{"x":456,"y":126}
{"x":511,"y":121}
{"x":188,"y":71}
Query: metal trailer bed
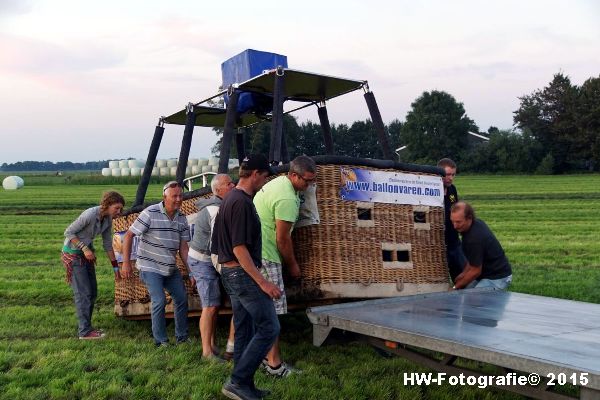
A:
{"x":518,"y":332}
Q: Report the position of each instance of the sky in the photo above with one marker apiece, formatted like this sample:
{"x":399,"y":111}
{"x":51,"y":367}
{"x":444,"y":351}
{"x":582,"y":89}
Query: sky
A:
{"x":88,"y":80}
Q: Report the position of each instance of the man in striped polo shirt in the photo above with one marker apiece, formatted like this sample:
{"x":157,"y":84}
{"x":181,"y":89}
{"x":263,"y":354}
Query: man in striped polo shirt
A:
{"x":162,"y":231}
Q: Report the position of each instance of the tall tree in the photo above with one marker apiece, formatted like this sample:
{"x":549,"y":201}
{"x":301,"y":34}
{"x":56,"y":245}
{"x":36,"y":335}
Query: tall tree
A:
{"x":588,"y":118}
{"x":436,"y":127}
{"x":549,"y":114}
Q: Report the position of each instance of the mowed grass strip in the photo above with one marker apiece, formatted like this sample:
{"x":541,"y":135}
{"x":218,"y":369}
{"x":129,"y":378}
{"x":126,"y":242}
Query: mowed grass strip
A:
{"x":548,"y":226}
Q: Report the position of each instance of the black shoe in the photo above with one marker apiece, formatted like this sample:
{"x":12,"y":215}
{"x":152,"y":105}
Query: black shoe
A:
{"x":239,"y":392}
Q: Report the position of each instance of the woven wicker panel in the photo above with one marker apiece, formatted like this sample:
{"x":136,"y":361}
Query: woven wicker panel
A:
{"x":133,"y":290}
{"x":339,"y":251}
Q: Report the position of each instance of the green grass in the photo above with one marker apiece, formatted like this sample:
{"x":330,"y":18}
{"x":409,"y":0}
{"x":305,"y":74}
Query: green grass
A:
{"x":549,"y":227}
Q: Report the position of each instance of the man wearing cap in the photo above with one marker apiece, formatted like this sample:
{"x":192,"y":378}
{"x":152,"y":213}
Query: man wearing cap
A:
{"x":162,"y":231}
{"x":278,"y":205}
{"x":237,"y":242}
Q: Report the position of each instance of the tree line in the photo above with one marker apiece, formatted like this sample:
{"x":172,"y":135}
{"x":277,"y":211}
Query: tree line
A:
{"x":556,"y":130}
{"x":52,"y":166}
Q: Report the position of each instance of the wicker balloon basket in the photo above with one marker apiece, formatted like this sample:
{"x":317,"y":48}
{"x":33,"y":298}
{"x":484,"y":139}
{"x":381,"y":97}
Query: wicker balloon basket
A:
{"x":352,"y":249}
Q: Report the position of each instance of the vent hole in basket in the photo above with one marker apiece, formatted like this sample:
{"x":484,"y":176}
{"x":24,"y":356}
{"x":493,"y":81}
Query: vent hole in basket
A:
{"x":420,"y":217}
{"x":403,"y":255}
{"x":364,"y":214}
{"x":387,"y":255}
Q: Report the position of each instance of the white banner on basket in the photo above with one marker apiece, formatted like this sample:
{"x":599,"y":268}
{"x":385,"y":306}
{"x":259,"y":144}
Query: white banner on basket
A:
{"x":391,"y":187}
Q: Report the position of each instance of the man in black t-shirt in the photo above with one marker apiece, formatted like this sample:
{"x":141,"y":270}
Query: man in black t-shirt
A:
{"x":454,"y":254}
{"x":237,"y":241}
{"x":487,"y":265}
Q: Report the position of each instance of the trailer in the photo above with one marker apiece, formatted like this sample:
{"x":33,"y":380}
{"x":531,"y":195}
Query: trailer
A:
{"x":539,"y":342}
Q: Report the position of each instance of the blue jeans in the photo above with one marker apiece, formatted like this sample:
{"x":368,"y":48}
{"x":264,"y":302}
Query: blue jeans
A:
{"x":502,"y":283}
{"x":156,"y":283}
{"x":85,"y":291}
{"x":255,"y":321}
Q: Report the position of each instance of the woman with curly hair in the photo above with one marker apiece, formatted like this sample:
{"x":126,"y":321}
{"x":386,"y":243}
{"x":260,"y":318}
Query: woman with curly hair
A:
{"x":79,"y":257}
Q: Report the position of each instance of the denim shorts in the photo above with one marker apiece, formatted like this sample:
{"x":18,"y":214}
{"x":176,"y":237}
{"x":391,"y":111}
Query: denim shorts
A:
{"x":207,"y":282}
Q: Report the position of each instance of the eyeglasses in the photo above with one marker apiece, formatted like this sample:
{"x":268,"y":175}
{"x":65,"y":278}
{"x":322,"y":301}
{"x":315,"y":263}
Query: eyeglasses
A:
{"x":307,"y":180}
{"x":170,"y":184}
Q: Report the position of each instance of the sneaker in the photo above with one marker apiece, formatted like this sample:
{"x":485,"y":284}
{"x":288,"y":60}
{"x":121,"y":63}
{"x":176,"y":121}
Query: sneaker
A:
{"x":238,"y":392}
{"x":184,"y":341}
{"x":162,"y":345}
{"x":228,"y":356}
{"x":91,"y":335}
{"x":281,"y":371}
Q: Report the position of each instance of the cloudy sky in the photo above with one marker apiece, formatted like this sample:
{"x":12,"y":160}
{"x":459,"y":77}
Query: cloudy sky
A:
{"x":88,"y":80}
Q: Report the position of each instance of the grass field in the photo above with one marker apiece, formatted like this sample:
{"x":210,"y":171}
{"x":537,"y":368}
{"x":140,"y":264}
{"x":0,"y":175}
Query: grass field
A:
{"x":549,"y":227}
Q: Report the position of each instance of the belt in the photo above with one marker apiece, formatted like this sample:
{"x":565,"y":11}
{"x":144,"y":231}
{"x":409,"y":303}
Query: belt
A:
{"x":231,"y":264}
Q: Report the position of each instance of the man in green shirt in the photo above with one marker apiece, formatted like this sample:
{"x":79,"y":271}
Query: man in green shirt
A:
{"x":278,"y":204}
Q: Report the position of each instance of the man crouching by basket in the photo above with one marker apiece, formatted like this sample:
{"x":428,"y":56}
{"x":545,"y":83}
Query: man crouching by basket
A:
{"x":237,"y":241}
{"x":278,"y":205}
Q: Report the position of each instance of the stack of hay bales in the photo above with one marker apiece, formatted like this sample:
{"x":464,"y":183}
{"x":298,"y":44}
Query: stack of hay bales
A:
{"x":124,"y":168}
{"x":165,"y":167}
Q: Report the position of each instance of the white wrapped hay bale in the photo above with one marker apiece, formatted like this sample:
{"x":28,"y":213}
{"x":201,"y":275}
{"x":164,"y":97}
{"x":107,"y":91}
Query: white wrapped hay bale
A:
{"x":136,"y":171}
{"x":215,"y":168}
{"x":125,"y":171}
{"x":155,"y":171}
{"x":172,"y":162}
{"x":188,"y":170}
{"x":192,"y":162}
{"x":123,"y":163}
{"x":173,"y":171}
{"x":206,"y":168}
{"x":115,"y":171}
{"x":105,"y":171}
{"x":113,"y":164}
{"x":13,"y":183}
{"x":213,"y":161}
{"x":161,"y":163}
{"x":233,"y":163}
{"x":164,"y":171}
{"x":196,"y":169}
{"x":202,"y":161}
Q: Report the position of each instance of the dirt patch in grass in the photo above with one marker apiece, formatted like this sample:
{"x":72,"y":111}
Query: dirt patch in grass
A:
{"x":30,"y":264}
{"x":34,"y":212}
